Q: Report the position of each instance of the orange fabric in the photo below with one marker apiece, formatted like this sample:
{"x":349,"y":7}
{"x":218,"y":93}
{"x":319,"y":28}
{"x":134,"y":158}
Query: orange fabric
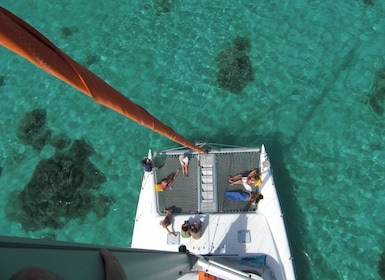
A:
{"x":205,"y":276}
{"x":23,"y":39}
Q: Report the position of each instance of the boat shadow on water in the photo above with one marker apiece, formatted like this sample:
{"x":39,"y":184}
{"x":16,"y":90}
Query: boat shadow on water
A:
{"x":293,"y":216}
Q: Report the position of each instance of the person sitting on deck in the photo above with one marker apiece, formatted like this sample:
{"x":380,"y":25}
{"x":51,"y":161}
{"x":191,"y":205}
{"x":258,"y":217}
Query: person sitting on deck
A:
{"x":247,"y":179}
{"x":252,"y":198}
{"x":167,"y":221}
{"x":185,"y":230}
{"x":166,"y":182}
{"x":183,"y":159}
{"x":147,"y":164}
{"x":196,"y":230}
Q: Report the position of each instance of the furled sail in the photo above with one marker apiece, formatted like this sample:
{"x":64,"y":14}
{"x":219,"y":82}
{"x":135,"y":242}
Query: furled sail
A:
{"x":26,"y":41}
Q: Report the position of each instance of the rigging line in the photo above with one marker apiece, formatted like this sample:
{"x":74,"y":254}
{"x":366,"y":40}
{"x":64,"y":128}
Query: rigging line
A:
{"x":324,"y":93}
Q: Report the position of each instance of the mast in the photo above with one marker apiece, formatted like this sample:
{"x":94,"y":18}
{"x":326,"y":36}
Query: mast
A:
{"x":21,"y":38}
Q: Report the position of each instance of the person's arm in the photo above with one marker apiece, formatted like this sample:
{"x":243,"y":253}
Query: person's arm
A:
{"x":172,"y":177}
{"x":252,"y":173}
{"x":251,"y":198}
{"x":171,"y":232}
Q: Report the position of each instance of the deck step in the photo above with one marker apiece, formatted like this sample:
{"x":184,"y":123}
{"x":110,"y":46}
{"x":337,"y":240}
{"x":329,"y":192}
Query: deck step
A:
{"x":208,"y":201}
{"x":208,"y":196}
{"x":207,"y":179}
{"x":207,"y":187}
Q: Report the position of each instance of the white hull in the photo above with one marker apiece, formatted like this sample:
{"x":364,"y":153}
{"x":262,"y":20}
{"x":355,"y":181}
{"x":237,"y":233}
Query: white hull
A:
{"x":238,"y":234}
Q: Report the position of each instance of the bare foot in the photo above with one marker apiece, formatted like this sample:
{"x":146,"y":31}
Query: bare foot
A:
{"x":112,"y":268}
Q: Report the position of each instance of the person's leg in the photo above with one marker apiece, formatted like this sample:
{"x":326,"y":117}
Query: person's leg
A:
{"x":238,"y":182}
{"x":235,"y":177}
{"x":112,"y":268}
{"x":184,"y":169}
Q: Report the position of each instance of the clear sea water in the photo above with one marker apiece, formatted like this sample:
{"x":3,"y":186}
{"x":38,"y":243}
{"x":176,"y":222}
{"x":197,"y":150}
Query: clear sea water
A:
{"x":315,"y":64}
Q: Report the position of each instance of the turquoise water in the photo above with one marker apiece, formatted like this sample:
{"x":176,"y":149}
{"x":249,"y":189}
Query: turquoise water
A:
{"x":315,"y":63}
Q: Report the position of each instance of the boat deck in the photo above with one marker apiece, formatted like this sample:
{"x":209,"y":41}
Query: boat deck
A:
{"x":203,"y":191}
{"x":229,"y":228}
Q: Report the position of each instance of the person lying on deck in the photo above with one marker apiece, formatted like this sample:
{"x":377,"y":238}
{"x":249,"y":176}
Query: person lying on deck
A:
{"x":166,"y":182}
{"x":252,"y":198}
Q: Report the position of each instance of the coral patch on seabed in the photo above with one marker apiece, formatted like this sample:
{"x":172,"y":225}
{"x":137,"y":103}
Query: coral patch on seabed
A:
{"x":60,"y":141}
{"x":161,"y":6}
{"x":381,"y":266}
{"x":59,"y":190}
{"x":234,"y":66}
{"x":68,"y":31}
{"x":377,"y":99}
{"x":32,"y":129}
{"x":62,"y":187}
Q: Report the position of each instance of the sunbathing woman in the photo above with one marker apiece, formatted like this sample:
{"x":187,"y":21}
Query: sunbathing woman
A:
{"x":166,"y":182}
{"x":249,"y":177}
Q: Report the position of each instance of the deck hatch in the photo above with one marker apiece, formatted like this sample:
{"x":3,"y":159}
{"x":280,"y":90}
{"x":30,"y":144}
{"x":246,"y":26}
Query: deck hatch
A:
{"x":244,"y":236}
{"x":171,"y":239}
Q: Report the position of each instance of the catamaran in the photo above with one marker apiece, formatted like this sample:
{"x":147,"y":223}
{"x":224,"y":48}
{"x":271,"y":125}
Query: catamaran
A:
{"x":228,"y":235}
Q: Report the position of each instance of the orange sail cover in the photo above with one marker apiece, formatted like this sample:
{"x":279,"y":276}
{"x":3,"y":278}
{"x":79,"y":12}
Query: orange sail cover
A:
{"x":26,"y":41}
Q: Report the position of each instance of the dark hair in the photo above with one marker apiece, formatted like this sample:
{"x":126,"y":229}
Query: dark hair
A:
{"x":185,"y":226}
{"x":259,"y":197}
{"x":195,"y":227}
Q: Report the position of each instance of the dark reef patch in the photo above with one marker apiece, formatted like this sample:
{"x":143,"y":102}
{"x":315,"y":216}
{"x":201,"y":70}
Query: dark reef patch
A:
{"x":161,"y":6}
{"x":381,"y":266}
{"x":369,"y":2}
{"x":60,"y":141}
{"x":376,"y":99}
{"x":68,"y":31}
{"x":234,"y":66}
{"x":2,"y":81}
{"x":59,"y":190}
{"x":32,"y":129}
{"x":91,"y":59}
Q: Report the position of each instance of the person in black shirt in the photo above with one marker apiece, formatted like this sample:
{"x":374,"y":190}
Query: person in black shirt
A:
{"x":147,"y":164}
